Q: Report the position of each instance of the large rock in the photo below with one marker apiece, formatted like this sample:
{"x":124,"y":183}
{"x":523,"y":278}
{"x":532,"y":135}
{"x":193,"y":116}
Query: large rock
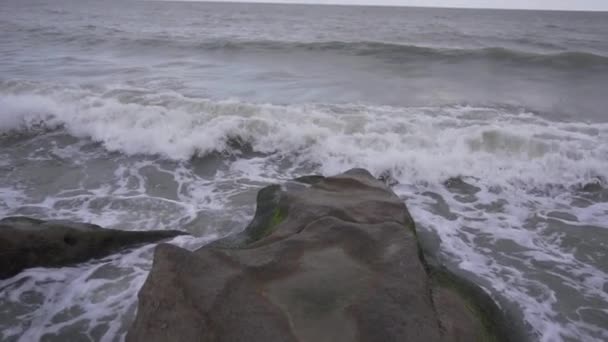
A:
{"x":27,"y":242}
{"x":324,"y":259}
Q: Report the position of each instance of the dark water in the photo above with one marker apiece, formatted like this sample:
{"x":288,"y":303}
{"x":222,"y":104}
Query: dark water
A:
{"x":142,"y":115}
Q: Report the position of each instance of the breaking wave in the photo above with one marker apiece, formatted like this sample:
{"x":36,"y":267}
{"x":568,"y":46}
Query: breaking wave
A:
{"x":503,"y":144}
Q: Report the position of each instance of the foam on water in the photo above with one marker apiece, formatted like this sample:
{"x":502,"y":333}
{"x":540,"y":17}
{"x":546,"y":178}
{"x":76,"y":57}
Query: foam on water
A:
{"x":92,"y":301}
{"x":508,"y":146}
{"x":519,"y":222}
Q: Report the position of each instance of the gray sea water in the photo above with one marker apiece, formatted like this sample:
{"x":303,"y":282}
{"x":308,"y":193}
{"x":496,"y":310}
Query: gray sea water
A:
{"x":167,"y":115}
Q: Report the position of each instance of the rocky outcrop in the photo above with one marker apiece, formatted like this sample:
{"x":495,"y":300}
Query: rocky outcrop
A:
{"x":27,"y":242}
{"x":324,"y":259}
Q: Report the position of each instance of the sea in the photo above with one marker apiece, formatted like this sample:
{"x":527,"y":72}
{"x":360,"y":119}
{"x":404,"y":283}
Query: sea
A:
{"x":492,"y":126}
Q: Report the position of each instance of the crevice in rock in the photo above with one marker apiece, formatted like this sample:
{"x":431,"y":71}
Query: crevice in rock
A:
{"x":429,"y":273}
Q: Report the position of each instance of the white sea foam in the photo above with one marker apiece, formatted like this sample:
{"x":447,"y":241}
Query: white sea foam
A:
{"x":415,"y":143}
{"x":96,"y":299}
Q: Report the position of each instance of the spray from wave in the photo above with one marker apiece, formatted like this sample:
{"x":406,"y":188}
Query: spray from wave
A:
{"x":501,"y":144}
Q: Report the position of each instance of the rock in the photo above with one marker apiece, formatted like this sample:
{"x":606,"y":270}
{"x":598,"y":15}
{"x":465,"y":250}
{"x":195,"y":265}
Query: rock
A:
{"x":309,"y":179}
{"x":591,"y":192}
{"x":459,"y":186}
{"x":334,"y":259}
{"x":27,"y":242}
{"x":387,"y":178}
{"x":594,"y":186}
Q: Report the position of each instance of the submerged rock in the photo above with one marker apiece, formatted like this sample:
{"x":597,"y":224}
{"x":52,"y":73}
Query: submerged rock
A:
{"x":459,"y":186}
{"x":334,"y":259}
{"x":594,"y":186}
{"x":27,"y":242}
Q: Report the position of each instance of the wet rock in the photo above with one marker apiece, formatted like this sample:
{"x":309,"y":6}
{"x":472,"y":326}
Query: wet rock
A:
{"x":387,"y":178}
{"x":594,"y":191}
{"x":337,"y":260}
{"x":595,"y":186}
{"x":459,"y":186}
{"x":27,"y":242}
{"x":310,"y":180}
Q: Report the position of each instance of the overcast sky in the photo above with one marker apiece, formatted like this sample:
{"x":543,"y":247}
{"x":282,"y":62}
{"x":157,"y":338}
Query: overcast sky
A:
{"x":601,"y":5}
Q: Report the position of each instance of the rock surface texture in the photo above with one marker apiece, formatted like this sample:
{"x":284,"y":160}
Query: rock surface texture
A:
{"x":324,"y":259}
{"x":27,"y":242}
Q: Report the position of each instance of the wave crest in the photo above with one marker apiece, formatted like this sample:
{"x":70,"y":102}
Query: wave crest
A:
{"x":398,"y":52}
{"x":413,"y":143}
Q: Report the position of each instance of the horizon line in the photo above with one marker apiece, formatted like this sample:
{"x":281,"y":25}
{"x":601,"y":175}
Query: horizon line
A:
{"x":298,"y":3}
